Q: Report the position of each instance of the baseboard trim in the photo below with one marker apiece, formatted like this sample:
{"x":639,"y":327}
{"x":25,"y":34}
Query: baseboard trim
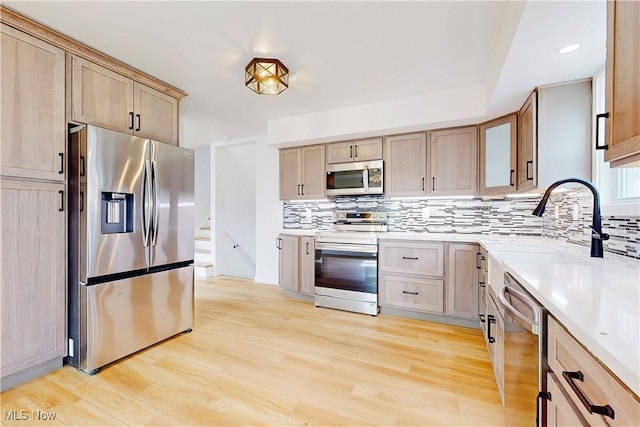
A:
{"x":29,"y":374}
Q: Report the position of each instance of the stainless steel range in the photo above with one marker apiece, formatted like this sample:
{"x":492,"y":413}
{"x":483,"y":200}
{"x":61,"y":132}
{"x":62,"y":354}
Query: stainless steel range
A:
{"x":346,"y":262}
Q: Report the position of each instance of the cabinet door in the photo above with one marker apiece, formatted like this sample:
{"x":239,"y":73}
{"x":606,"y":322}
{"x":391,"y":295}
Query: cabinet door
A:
{"x":32,"y":277}
{"x":156,"y":114}
{"x":33,"y":107}
{"x":340,"y":152}
{"x":290,"y":180}
{"x":527,"y":173}
{"x":453,"y":162}
{"x":405,"y":165}
{"x":462,"y":281}
{"x":623,"y":84}
{"x":367,"y":149}
{"x":307,"y":265}
{"x":288,"y":262}
{"x":313,"y":176}
{"x":498,"y":139}
{"x":495,"y":339}
{"x":101,"y":97}
{"x":561,"y":412}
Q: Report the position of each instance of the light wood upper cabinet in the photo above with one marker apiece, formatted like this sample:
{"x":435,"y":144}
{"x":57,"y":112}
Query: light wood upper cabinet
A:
{"x":527,"y":144}
{"x":453,"y":162}
{"x":405,"y":159}
{"x":156,"y":114}
{"x":354,"y":151}
{"x":313,"y":172}
{"x":107,"y":99}
{"x":290,"y":173}
{"x":302,"y":173}
{"x":462,"y":281}
{"x":32,"y":276}
{"x":33,"y":107}
{"x":623,"y":83}
{"x":498,"y":155}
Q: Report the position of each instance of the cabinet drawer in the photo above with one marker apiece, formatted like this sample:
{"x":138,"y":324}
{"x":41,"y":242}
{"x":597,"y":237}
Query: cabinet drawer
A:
{"x":601,"y":388}
{"x":412,"y":258}
{"x":420,"y":294}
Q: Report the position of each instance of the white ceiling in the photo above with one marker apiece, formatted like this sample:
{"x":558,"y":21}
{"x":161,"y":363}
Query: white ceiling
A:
{"x":340,"y":54}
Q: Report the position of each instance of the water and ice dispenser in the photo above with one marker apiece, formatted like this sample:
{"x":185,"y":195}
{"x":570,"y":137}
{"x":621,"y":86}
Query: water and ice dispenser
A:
{"x":117,"y":213}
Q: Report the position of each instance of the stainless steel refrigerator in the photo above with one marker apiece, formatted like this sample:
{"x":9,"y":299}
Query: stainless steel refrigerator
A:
{"x":131,"y":233}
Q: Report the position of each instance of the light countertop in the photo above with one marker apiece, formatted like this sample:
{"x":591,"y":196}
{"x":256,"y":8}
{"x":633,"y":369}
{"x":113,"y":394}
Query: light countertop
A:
{"x":596,"y":299}
{"x":298,"y":232}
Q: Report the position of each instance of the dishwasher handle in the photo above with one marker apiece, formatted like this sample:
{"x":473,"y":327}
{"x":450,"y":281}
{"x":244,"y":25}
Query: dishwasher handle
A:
{"x":502,"y":296}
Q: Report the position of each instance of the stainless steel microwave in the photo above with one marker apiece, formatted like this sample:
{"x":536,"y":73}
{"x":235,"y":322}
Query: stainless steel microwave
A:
{"x":348,"y":179}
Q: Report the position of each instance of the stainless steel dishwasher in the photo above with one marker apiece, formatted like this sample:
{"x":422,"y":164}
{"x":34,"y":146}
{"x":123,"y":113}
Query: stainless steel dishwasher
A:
{"x":525,"y":355}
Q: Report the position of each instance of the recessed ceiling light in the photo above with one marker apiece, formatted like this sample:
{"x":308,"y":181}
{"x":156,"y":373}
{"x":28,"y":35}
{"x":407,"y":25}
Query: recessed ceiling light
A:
{"x":569,"y":48}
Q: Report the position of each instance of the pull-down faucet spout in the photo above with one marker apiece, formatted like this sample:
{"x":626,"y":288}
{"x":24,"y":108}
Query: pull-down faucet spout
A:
{"x":597,"y":236}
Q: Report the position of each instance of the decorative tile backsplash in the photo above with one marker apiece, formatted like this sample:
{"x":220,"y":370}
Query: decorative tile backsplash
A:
{"x":477,"y":216}
{"x":465,"y":216}
{"x":623,"y":231}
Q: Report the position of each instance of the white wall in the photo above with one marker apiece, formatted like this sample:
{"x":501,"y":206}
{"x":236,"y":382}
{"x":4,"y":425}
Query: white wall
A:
{"x":202,"y":184}
{"x":451,"y":107}
{"x":235,"y":209}
{"x":268,"y":212}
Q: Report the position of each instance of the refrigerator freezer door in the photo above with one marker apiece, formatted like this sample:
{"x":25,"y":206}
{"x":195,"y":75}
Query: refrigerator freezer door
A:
{"x":127,"y":315}
{"x":173,"y":227}
{"x":115,"y":173}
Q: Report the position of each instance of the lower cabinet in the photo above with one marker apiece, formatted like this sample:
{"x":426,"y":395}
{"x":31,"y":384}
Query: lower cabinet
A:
{"x":412,"y":276}
{"x":288,"y":272}
{"x":306,"y":265}
{"x":561,"y":412}
{"x":462,"y":280}
{"x":296,"y":263}
{"x":596,"y":395}
{"x":32,"y":277}
{"x":494,"y":336}
{"x":412,"y":293}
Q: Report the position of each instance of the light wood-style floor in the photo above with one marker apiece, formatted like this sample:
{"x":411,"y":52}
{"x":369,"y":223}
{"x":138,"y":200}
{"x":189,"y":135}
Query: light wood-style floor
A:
{"x":256,"y":357}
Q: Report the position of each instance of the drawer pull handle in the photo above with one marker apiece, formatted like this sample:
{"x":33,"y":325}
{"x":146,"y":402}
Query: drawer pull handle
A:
{"x":570,"y":377}
{"x":410,"y":257}
{"x":482,"y":284}
{"x":410,"y":293}
{"x":481,"y":316}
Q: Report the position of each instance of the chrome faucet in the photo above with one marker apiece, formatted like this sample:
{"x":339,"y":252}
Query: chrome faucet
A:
{"x":597,"y":236}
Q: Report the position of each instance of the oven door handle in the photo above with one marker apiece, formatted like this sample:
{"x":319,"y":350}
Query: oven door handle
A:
{"x":370,"y":249}
{"x":502,"y":296}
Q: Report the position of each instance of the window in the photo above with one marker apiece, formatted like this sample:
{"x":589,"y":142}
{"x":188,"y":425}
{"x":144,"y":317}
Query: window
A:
{"x":619,"y":187}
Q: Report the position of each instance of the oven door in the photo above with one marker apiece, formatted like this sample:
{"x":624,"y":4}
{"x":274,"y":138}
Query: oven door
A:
{"x":346,"y":267}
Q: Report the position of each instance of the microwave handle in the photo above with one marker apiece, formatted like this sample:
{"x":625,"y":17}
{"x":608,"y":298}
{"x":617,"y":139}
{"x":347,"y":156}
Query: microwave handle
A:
{"x":365,"y":179}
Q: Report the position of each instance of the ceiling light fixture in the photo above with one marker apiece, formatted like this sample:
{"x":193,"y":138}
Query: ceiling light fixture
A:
{"x":569,"y":48}
{"x":266,"y":76}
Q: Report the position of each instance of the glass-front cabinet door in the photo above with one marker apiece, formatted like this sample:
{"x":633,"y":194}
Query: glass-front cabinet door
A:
{"x":498,"y":160}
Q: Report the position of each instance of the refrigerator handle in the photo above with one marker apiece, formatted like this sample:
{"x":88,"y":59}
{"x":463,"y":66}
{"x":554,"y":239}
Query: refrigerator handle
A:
{"x":155,"y":196}
{"x":146,"y":205}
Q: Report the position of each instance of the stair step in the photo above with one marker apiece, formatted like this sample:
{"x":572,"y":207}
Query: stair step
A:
{"x":203,"y":239}
{"x":205,"y":228}
{"x":202,"y":251}
{"x":202,"y":264}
